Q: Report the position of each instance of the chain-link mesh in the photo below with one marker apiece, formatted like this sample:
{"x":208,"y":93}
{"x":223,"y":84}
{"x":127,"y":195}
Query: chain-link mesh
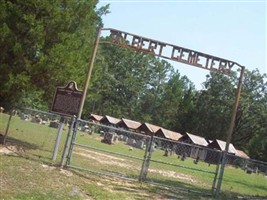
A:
{"x":115,"y":151}
{"x":33,"y":131}
{"x":119,"y":152}
{"x":108,"y":150}
{"x":244,"y":175}
{"x":183,"y":165}
{"x":249,"y":166}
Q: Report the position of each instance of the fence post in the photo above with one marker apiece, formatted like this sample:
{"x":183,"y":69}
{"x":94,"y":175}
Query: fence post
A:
{"x":75,"y":128}
{"x":224,"y":159}
{"x":147,"y":158}
{"x":67,"y":142}
{"x":60,"y":128}
{"x":216,"y":174}
{"x":7,"y":128}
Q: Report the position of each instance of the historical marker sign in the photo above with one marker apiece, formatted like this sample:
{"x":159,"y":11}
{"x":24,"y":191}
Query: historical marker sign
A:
{"x":67,"y":100}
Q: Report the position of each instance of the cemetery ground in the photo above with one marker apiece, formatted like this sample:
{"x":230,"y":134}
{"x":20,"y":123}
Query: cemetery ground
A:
{"x":28,"y":172}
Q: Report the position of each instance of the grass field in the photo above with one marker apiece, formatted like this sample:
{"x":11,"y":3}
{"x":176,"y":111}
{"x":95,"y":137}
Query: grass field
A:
{"x":27,"y":171}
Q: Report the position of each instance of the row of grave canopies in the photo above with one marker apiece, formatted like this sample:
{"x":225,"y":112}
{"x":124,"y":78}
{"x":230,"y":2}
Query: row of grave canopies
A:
{"x":150,"y":129}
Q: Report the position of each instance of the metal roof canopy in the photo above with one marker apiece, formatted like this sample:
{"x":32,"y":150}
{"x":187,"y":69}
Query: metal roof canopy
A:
{"x":179,"y":54}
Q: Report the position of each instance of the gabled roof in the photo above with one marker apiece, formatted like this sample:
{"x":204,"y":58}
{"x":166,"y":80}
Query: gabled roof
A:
{"x":111,"y":120}
{"x":129,"y":123}
{"x":221,"y":144}
{"x":95,"y":117}
{"x":169,"y":134}
{"x":146,"y":127}
{"x":241,"y":154}
{"x":196,"y":139}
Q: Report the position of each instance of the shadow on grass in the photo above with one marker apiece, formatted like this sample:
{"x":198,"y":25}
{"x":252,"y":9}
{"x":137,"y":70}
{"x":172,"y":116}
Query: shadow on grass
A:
{"x":249,"y":185}
{"x":143,"y":190}
{"x":22,"y":149}
{"x":20,"y":144}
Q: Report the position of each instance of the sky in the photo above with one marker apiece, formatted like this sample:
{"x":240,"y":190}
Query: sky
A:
{"x":233,"y":30}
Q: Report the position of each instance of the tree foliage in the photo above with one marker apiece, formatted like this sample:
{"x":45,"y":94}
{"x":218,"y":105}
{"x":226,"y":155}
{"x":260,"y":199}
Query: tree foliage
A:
{"x":44,"y":44}
{"x":214,"y":106}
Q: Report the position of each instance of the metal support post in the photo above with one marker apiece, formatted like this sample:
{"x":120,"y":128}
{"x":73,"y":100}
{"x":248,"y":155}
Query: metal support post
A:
{"x":75,"y":129}
{"x":216,"y":174}
{"x":148,"y":144}
{"x":67,"y":142}
{"x":7,"y":128}
{"x":88,"y":76}
{"x":146,"y":162}
{"x":59,"y":133}
{"x":230,"y":129}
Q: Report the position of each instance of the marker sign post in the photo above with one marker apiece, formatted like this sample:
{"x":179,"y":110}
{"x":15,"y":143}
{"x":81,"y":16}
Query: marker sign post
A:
{"x":66,"y":102}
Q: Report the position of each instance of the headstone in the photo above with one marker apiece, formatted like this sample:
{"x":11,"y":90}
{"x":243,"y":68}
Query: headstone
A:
{"x":131,"y":142}
{"x":140,"y":144}
{"x":109,"y":138}
{"x":37,"y":119}
{"x":121,"y":137}
{"x":125,"y":138}
{"x":24,"y":117}
{"x":54,"y":124}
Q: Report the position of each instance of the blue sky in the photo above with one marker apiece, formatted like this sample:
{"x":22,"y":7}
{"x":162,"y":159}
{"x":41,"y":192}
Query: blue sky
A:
{"x":234,"y":30}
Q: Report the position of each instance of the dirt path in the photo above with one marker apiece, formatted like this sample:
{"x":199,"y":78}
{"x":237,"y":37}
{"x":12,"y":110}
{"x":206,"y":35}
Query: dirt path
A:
{"x":125,"y":163}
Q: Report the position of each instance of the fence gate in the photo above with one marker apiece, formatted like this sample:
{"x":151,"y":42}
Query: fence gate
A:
{"x":112,"y":151}
{"x":108,"y":150}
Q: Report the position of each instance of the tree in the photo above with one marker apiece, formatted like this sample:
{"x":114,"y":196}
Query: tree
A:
{"x":213,"y":106}
{"x":176,"y":102}
{"x":44,"y":44}
{"x":127,"y":83}
{"x":251,"y":128}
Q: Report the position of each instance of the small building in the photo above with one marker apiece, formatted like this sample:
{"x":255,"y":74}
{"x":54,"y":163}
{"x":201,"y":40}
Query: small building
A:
{"x":169,"y":140}
{"x":241,"y":154}
{"x":220,"y":145}
{"x":242,"y":160}
{"x":128,"y":124}
{"x":148,"y":129}
{"x":95,"y":118}
{"x":196,"y":149}
{"x":193,"y":139}
{"x":109,"y":121}
{"x":164,"y":133}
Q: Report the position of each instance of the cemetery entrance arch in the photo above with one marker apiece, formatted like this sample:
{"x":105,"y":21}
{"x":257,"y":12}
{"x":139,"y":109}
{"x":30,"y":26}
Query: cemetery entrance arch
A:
{"x":174,"y":53}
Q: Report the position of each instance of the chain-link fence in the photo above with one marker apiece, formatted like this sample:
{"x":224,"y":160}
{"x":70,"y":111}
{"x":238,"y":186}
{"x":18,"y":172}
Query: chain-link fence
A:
{"x":114,"y":151}
{"x":34,"y":131}
{"x":118,"y":152}
{"x":249,"y":166}
{"x":107,"y":150}
{"x":183,"y":165}
{"x":245,"y":176}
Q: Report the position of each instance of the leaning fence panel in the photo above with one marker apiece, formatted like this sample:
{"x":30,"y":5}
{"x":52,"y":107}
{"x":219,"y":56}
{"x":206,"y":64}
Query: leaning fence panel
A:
{"x":108,"y":150}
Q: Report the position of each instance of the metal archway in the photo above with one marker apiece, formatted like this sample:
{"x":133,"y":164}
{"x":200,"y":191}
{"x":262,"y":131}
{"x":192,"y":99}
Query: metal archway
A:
{"x":175,"y":53}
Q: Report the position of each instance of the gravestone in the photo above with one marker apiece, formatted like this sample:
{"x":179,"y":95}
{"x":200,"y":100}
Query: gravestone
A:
{"x":131,"y":142}
{"x":140,"y":144}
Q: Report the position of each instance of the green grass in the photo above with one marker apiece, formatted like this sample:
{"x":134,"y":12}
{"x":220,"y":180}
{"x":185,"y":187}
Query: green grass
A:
{"x":24,"y":177}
